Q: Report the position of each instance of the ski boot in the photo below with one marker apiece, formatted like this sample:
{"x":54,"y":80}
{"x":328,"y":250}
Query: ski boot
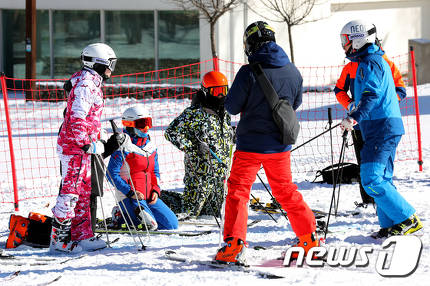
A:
{"x":232,"y":252}
{"x":306,"y":241}
{"x":409,"y":226}
{"x":92,"y":243}
{"x":18,"y":227}
{"x":380,"y":234}
{"x":61,"y":237}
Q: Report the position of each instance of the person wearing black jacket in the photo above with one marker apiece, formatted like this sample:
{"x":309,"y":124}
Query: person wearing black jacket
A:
{"x":259,"y":142}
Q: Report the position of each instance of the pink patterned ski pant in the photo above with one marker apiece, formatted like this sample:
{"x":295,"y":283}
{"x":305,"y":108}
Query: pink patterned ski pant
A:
{"x":74,"y":198}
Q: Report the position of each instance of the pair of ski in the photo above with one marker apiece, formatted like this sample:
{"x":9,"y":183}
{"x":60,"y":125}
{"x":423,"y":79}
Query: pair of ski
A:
{"x":272,"y":208}
{"x":16,"y":274}
{"x":124,"y":230}
{"x":163,"y":232}
{"x":7,"y":259}
{"x":172,"y":255}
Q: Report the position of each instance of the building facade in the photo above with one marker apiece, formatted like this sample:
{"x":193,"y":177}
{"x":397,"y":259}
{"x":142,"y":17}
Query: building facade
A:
{"x":148,"y":35}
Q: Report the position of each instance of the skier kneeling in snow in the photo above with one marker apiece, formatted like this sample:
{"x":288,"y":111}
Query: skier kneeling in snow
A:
{"x":135,"y":174}
{"x":203,"y":131}
{"x":77,"y":140}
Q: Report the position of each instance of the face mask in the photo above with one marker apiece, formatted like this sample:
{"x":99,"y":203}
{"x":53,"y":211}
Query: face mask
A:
{"x":140,"y":133}
{"x":215,"y":103}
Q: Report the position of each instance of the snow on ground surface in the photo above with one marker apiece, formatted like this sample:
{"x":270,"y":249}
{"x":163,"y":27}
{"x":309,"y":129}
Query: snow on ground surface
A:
{"x":124,"y":264}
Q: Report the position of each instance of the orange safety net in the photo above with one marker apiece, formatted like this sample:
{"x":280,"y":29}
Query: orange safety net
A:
{"x":36,"y":112}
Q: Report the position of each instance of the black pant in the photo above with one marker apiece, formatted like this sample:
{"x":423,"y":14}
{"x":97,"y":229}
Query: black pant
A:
{"x":358,"y":145}
{"x":97,"y":176}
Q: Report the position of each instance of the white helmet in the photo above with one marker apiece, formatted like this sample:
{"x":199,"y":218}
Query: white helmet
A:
{"x":137,"y":117}
{"x":135,"y":112}
{"x":98,"y":53}
{"x":359,"y":33}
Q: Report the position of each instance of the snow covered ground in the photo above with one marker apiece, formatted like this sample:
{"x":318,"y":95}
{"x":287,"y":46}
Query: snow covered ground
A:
{"x":124,"y":264}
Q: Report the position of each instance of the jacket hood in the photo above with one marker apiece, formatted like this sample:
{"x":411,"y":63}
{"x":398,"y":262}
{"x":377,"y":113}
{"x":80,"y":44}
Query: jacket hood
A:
{"x":270,"y":53}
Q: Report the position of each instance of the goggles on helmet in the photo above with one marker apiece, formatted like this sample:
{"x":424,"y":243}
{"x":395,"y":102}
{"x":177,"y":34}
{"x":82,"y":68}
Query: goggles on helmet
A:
{"x":140,"y":123}
{"x":345,"y":40}
{"x":110,"y":63}
{"x":217,"y":91}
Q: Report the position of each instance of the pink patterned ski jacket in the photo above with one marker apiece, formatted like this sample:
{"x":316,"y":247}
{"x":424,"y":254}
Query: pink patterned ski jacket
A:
{"x":84,"y":109}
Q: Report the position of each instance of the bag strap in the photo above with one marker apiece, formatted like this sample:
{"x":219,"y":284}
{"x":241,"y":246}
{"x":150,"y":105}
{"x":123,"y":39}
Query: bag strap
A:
{"x":268,"y":90}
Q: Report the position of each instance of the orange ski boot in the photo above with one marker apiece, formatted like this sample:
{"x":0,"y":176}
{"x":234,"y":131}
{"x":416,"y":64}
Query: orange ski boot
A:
{"x":232,"y":252}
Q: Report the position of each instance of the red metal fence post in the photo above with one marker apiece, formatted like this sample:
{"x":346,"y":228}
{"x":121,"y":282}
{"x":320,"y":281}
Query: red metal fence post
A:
{"x":417,"y":109}
{"x":9,"y":135}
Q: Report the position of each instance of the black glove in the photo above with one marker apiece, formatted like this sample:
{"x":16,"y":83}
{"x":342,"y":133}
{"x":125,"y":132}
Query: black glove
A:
{"x":110,"y":146}
{"x":68,"y":86}
{"x":120,"y":137}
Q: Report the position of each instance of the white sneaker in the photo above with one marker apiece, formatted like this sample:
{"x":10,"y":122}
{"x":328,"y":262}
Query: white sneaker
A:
{"x":147,"y":219}
{"x":60,"y":237}
{"x":92,"y":243}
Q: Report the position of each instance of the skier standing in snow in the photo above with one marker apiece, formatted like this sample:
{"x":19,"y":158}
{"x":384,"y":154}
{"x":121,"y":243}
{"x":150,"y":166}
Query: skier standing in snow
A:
{"x":378,"y":113}
{"x":344,"y":84}
{"x":259,"y":143}
{"x":136,"y":175}
{"x":203,"y":132}
{"x":78,"y":139}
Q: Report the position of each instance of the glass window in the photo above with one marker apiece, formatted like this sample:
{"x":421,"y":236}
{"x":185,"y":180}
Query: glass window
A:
{"x":42,"y":49}
{"x":73,"y":30}
{"x":178,"y":38}
{"x":14,"y":43}
{"x":131,"y":36}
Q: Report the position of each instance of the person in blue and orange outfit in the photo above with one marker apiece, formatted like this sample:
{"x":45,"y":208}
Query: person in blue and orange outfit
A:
{"x":378,"y":113}
{"x":259,"y":143}
{"x":344,"y":84}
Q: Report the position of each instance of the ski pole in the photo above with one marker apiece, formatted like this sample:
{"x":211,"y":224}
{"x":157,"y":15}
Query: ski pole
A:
{"x":100,"y":196}
{"x":330,"y":121}
{"x":264,"y":208}
{"x":313,"y":138}
{"x":273,"y":198}
{"x":122,"y":213}
{"x":120,"y":209}
{"x":339,"y":181}
{"x":342,"y":150}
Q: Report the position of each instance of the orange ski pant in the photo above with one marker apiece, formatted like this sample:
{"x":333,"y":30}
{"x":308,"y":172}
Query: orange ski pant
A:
{"x":278,"y":171}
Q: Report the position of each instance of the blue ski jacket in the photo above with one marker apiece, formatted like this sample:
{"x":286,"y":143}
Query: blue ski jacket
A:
{"x":378,"y":111}
{"x":257,"y":131}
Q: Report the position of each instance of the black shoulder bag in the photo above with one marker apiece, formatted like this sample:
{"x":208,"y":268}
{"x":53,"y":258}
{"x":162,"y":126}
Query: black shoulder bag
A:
{"x":282,"y":111}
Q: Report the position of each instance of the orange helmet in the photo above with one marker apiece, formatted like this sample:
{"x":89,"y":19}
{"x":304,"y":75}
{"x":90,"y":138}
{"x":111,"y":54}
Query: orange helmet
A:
{"x":215,"y":84}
